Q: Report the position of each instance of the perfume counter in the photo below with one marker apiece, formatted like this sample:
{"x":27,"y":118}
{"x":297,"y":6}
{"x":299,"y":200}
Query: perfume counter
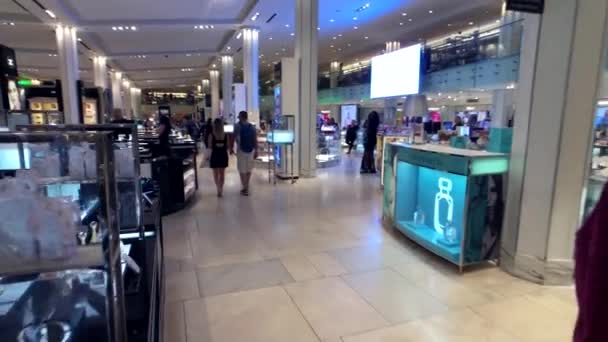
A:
{"x":448,"y":200}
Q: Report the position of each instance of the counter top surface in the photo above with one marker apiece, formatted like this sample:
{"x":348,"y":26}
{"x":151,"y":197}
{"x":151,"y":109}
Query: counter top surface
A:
{"x":450,"y":150}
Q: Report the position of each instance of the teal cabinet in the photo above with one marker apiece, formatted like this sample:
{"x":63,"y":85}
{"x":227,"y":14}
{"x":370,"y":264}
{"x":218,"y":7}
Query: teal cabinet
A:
{"x":448,"y":200}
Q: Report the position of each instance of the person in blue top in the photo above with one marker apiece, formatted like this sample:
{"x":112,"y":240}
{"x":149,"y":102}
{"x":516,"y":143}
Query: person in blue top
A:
{"x":247,"y":150}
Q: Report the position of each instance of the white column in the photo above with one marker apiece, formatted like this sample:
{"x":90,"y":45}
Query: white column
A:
{"x":68,"y":65}
{"x":135,"y":102}
{"x":214,"y":76}
{"x":561,"y":60}
{"x":117,"y":89}
{"x":306,"y":51}
{"x":126,"y":99}
{"x":100,"y":70}
{"x":503,"y":107}
{"x":227,"y":79}
{"x":251,"y":71}
{"x":334,"y":72}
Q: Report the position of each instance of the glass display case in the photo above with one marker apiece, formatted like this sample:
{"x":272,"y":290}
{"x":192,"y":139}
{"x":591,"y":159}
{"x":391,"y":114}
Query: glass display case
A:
{"x":329,"y":146}
{"x":61,"y":271}
{"x":447,"y":200}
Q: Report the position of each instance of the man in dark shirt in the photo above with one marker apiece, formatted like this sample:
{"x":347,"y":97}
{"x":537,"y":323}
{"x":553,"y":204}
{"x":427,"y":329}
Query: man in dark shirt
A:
{"x":164,"y":129}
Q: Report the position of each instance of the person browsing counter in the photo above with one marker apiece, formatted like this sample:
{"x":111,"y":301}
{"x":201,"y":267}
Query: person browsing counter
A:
{"x":164,"y":130}
{"x":246,"y":150}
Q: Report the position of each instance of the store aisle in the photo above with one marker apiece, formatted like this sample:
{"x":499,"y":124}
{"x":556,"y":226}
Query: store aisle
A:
{"x":312,"y":262}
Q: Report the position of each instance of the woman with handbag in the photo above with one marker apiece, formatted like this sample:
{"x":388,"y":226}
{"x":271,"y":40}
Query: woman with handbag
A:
{"x":217,"y":144}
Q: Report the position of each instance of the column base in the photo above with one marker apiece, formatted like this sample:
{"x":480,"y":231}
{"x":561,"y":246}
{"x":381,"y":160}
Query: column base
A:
{"x":544,"y":272}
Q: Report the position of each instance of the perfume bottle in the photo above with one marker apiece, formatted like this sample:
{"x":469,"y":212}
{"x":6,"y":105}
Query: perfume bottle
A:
{"x":418,"y":216}
{"x":444,"y":205}
{"x":450,"y":233}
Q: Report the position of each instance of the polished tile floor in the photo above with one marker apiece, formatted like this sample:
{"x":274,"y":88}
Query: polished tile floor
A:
{"x":311,"y":262}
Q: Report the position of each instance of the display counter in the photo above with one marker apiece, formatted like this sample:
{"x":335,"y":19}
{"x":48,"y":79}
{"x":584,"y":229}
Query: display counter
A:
{"x":382,"y":140}
{"x":448,"y":200}
{"x":328,"y":146}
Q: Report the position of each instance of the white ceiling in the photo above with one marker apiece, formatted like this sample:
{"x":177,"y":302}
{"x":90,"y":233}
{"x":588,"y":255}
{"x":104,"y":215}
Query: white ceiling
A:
{"x":166,"y":36}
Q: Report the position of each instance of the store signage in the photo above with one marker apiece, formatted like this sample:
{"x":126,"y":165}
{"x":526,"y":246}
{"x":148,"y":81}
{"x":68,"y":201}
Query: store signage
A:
{"x":529,"y":6}
{"x":8,"y":62}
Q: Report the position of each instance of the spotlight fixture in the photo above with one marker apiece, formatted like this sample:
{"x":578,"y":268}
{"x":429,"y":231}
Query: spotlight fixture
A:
{"x":50,"y":13}
{"x":362,"y":8}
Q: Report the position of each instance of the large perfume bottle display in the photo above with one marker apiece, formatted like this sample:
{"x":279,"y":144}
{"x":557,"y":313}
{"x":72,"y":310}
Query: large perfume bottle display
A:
{"x":444,"y":206}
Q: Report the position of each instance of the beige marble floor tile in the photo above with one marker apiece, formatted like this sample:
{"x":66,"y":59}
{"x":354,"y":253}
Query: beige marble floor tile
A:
{"x":371,"y":257}
{"x":332,"y":308}
{"x":181,"y":286}
{"x":263,"y":315}
{"x":528,"y":320}
{"x":457,"y":326}
{"x":175,"y":322}
{"x":445,"y":285}
{"x":326,"y":264}
{"x":393,"y":296}
{"x":300,"y":267}
{"x":239,"y":277}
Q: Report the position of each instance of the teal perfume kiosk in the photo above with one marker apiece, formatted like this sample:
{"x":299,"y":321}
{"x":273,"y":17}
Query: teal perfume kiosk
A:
{"x":448,"y":200}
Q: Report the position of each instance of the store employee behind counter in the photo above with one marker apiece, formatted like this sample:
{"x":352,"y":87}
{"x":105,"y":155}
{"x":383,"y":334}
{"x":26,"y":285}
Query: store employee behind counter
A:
{"x":164,"y":129}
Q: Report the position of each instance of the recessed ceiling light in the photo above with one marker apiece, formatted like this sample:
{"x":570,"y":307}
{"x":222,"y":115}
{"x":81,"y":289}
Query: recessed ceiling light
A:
{"x":120,"y":28}
{"x":255,"y":16}
{"x":213,"y":65}
{"x":339,"y":34}
{"x":269,"y":38}
{"x":404,"y":14}
{"x":287,"y":25}
{"x":293,"y":34}
{"x":355,"y":18}
{"x":262,"y":55}
{"x":11,"y":23}
{"x":228,"y":48}
{"x":334,"y":37}
{"x":318,"y":28}
{"x":276,"y":53}
{"x":331,"y":46}
{"x":410,"y":20}
{"x":356,"y":27}
{"x":339,"y":49}
{"x":114,"y":28}
{"x":50,"y":13}
{"x":188,"y":55}
{"x":498,"y":21}
{"x":400,"y":24}
{"x":133,"y":28}
{"x":79,"y":39}
{"x":430,"y":11}
{"x":331,"y":20}
{"x":149,"y":71}
{"x":283,"y":49}
{"x":449,"y":25}
{"x":471,"y":23}
{"x":366,"y":37}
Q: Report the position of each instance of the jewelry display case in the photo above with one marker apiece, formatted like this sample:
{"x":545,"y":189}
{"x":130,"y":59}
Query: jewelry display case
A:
{"x":61,"y":277}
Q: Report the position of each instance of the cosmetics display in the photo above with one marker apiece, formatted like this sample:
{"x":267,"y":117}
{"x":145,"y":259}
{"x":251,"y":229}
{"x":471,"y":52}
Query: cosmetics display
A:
{"x":446,"y":199}
{"x":71,"y":173}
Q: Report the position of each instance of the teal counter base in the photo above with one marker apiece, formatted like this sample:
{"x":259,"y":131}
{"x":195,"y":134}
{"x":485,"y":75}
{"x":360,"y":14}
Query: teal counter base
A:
{"x":448,"y":190}
{"x":430,"y":239}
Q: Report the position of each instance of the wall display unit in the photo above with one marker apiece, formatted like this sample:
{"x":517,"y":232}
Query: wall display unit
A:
{"x":447,"y":200}
{"x":598,"y":170}
{"x":397,"y":73}
{"x":348,"y":114}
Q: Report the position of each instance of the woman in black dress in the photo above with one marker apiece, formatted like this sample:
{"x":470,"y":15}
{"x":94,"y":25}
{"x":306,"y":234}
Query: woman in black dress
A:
{"x":218,"y":161}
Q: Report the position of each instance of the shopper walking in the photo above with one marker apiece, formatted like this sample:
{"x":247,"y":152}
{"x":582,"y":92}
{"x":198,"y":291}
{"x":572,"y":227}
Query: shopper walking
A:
{"x":218,"y":159}
{"x":351,"y":135}
{"x":369,"y":143}
{"x":591,"y":278}
{"x":246,"y":150}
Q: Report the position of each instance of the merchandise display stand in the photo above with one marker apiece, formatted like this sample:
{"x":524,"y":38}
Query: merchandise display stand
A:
{"x":448,"y":200}
{"x":78,"y":296}
{"x":281,"y":140}
{"x":138,"y":227}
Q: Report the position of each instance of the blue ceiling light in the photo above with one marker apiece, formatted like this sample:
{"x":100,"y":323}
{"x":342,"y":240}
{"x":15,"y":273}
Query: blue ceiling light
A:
{"x":362,"y":8}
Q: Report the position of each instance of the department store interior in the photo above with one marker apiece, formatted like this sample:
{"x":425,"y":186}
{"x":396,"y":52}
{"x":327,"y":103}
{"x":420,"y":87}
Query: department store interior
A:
{"x":421,"y":169}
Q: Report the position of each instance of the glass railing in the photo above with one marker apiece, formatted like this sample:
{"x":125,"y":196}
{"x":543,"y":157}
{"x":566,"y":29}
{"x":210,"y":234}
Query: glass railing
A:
{"x":501,"y":40}
{"x":461,"y":49}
